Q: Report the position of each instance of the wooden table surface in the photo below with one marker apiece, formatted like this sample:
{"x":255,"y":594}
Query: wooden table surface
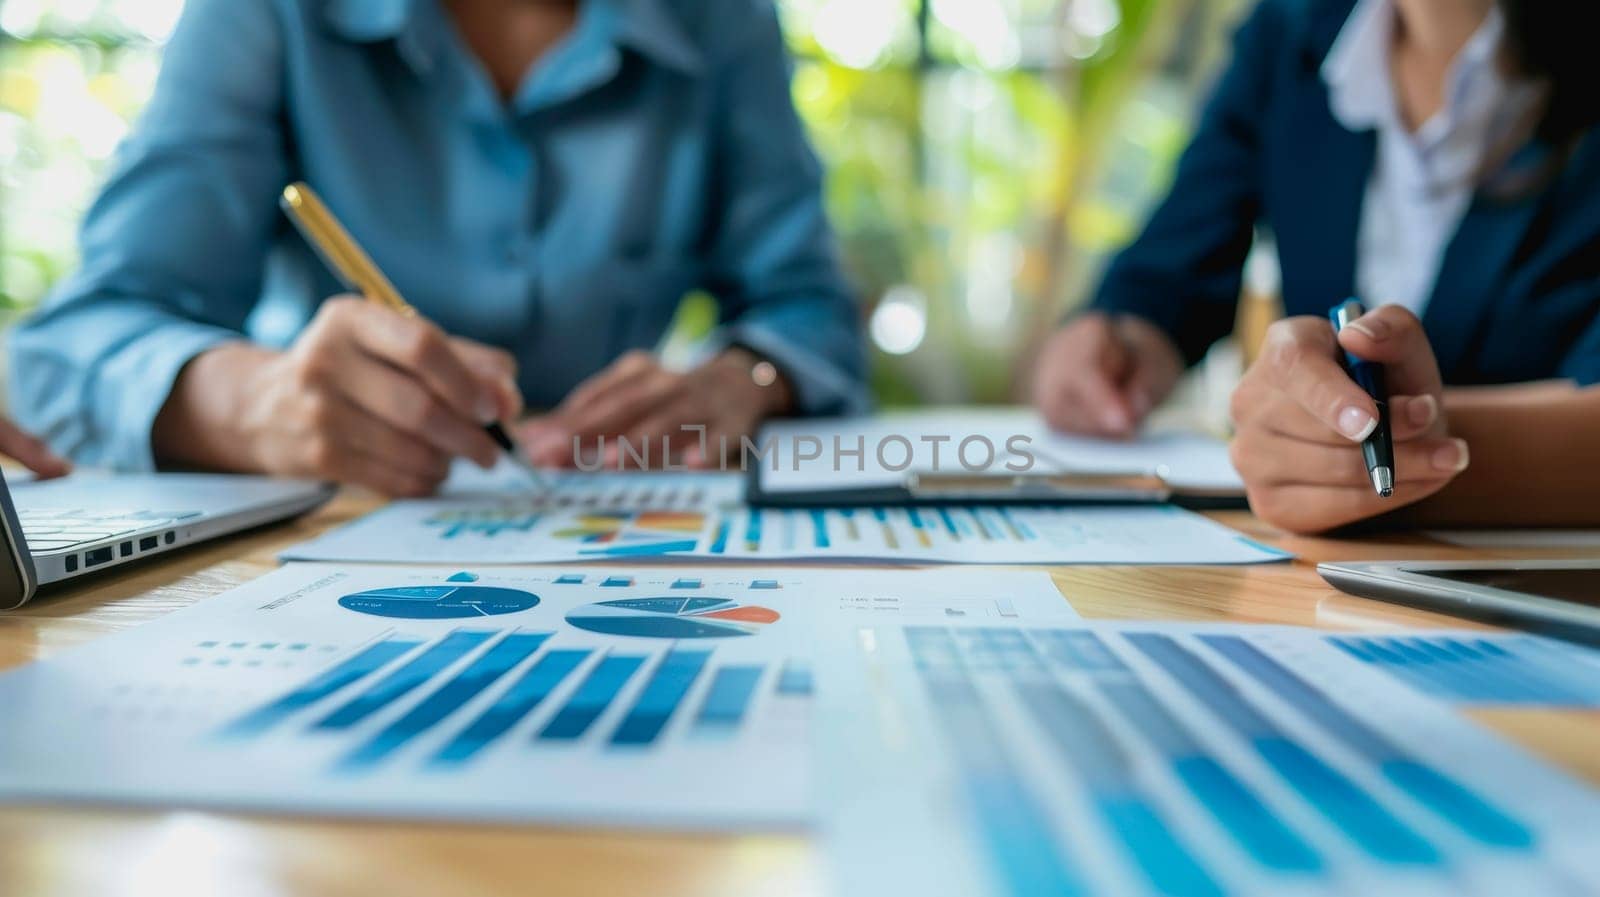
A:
{"x":50,"y":851}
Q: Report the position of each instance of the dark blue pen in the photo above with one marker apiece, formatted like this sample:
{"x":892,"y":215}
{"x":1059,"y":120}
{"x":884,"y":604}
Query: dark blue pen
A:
{"x":1378,"y":447}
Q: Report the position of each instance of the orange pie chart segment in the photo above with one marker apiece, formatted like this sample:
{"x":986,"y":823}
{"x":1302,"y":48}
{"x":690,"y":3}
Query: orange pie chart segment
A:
{"x":745,"y":614}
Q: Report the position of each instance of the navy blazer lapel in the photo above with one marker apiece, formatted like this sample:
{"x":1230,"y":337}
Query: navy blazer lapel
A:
{"x":1472,"y":273}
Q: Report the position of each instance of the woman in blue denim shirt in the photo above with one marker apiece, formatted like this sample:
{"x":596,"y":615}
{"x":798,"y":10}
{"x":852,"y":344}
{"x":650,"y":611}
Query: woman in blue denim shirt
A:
{"x":542,"y":180}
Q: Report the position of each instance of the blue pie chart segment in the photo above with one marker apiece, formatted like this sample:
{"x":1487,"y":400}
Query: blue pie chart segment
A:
{"x":677,"y":617}
{"x":439,"y":602}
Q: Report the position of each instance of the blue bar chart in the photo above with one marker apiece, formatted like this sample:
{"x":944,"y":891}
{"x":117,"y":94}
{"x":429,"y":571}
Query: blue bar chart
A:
{"x":661,"y":697}
{"x":1171,"y":744}
{"x":658,"y":521}
{"x":447,"y":698}
{"x":348,"y":673}
{"x":591,"y":699}
{"x":686,"y":698}
{"x":1452,"y":802}
{"x":487,"y":523}
{"x":515,"y":704}
{"x":1517,"y":670}
{"x":412,"y":675}
{"x":571,"y":690}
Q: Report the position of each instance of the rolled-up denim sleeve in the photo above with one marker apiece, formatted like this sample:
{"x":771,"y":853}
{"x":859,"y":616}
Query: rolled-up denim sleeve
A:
{"x":774,"y":263}
{"x":173,"y":248}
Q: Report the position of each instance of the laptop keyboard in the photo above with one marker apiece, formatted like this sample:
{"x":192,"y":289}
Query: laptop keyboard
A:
{"x":53,"y":530}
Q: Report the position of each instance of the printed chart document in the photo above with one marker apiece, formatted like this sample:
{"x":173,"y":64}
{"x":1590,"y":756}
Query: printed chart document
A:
{"x":819,"y":456}
{"x":1471,"y":669}
{"x":633,"y":516}
{"x":678,"y":697}
{"x":1148,"y":759}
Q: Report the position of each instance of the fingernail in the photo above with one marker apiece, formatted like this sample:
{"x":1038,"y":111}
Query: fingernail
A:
{"x":1424,"y":411}
{"x":1141,"y":404}
{"x":1114,"y":419}
{"x":1452,"y":458}
{"x":1375,"y":329}
{"x":488,"y":409}
{"x":1356,"y":424}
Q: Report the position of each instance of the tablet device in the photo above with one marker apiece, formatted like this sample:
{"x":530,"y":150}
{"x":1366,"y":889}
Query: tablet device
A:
{"x":1560,"y":598}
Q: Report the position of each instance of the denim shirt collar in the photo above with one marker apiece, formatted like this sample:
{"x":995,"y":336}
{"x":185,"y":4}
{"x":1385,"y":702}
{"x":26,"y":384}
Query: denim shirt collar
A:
{"x":645,"y":26}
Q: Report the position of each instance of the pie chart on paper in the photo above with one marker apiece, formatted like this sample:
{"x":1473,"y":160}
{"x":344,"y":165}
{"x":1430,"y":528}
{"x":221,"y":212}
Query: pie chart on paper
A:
{"x":673,"y":618}
{"x":439,"y":602}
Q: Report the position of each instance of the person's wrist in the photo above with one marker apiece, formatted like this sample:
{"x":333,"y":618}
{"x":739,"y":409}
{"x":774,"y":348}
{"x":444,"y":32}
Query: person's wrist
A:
{"x":768,"y":390}
{"x":1153,"y":348}
{"x":203,"y":422}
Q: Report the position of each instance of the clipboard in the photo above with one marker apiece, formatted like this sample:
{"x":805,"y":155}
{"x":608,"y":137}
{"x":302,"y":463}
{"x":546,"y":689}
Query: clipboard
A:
{"x":1164,"y":465}
{"x":1056,"y":488}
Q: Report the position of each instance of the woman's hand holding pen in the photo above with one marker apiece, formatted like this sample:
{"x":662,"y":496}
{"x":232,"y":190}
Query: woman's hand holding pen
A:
{"x":1299,"y":422}
{"x":365,"y":396}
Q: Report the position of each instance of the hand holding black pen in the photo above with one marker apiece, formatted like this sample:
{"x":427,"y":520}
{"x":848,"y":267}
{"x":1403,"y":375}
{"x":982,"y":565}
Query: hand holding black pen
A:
{"x":1377,"y":447}
{"x":1313,"y":394}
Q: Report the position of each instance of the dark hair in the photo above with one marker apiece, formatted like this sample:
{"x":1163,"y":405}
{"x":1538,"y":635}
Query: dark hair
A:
{"x":1554,"y":41}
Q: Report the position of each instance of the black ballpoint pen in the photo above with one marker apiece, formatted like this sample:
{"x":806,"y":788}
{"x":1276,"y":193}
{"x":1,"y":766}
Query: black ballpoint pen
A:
{"x":1378,"y":447}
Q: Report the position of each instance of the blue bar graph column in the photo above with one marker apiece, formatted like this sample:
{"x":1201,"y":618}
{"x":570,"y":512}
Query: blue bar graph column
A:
{"x":358,"y":667}
{"x":1342,"y":801}
{"x":819,"y":529}
{"x":1237,"y":808}
{"x":1015,"y":830}
{"x":1091,"y":750}
{"x":1524,"y":670}
{"x":521,"y":699}
{"x":661,"y":697}
{"x":719,"y":543}
{"x":448,"y":698}
{"x":420,"y":669}
{"x":795,"y":680}
{"x":727,"y":700}
{"x":1444,"y":796}
{"x":592,"y":697}
{"x":752,"y":531}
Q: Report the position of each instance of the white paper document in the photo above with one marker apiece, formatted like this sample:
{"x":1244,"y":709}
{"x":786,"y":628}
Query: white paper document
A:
{"x":1137,"y":759}
{"x":647,"y":697}
{"x":655,"y":516}
{"x":881,"y":451}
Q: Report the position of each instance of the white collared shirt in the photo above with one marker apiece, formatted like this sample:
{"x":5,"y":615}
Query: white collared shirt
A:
{"x":1423,"y":181}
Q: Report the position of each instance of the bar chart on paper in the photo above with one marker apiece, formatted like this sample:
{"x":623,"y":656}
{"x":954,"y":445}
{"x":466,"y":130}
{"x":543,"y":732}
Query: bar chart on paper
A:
{"x":982,"y":534}
{"x":583,"y":517}
{"x":1473,"y":668}
{"x":1175,"y":760}
{"x":707,"y":521}
{"x":667,"y":696}
{"x":582,"y":689}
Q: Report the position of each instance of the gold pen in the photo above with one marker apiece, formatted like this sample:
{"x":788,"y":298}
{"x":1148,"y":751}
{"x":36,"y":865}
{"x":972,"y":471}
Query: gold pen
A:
{"x":356,"y":270}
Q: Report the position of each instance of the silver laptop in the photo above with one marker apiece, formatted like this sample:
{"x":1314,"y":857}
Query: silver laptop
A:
{"x":91,"y":521}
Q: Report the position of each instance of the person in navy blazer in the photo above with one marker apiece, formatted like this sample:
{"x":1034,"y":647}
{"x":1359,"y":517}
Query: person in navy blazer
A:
{"x":1438,"y":153}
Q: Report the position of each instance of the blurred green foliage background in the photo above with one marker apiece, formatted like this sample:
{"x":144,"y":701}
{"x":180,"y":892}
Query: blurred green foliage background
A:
{"x":983,"y":155}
